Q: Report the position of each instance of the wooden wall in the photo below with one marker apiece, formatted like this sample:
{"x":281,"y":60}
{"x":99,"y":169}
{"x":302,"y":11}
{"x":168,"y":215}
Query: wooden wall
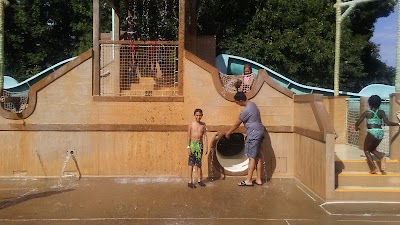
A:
{"x":314,"y":145}
{"x":337,"y":109}
{"x":130,"y":138}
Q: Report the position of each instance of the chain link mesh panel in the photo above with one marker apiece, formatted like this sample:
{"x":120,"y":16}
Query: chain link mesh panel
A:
{"x":139,"y":69}
{"x":352,"y":115}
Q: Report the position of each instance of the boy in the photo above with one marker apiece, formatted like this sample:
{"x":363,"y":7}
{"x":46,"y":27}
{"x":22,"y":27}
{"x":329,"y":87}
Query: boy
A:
{"x":197,"y":135}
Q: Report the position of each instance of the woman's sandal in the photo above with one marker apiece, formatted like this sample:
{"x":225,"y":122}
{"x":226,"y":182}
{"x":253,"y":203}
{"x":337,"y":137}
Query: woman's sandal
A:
{"x":255,"y":183}
{"x":244,"y":184}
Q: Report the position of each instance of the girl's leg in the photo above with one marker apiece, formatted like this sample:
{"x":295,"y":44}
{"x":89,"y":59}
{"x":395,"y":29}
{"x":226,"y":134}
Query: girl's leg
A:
{"x":370,"y":162}
{"x":378,"y":155}
{"x":369,"y":146}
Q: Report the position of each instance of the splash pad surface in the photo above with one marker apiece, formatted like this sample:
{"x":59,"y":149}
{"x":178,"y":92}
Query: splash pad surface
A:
{"x":168,"y":201}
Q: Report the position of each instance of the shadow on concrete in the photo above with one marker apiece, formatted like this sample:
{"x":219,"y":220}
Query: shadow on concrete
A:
{"x":268,"y":157}
{"x":215,"y":170}
{"x":14,"y":201}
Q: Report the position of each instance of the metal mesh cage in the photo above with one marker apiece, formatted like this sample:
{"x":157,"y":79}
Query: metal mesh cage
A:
{"x":139,"y":69}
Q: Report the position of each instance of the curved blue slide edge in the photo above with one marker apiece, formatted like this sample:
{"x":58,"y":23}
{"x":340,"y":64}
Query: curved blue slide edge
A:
{"x":230,"y":64}
{"x":10,"y":84}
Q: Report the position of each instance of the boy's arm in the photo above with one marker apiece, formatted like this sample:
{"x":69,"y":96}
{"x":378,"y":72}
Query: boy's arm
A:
{"x":189,"y":137}
{"x":385,"y":119}
{"x":359,"y":121}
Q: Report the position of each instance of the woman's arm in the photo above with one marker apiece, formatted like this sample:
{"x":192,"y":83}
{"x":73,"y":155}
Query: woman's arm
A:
{"x":234,"y":127}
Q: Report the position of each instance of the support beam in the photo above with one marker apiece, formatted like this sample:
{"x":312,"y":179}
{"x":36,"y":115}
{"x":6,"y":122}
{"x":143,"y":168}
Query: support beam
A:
{"x":339,"y":18}
{"x":3,"y":3}
{"x":181,"y":43}
{"x":397,"y":79}
{"x":96,"y":48}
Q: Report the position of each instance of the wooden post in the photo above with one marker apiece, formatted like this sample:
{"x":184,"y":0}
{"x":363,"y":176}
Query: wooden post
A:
{"x":394,"y":132}
{"x":363,"y":126}
{"x":116,"y":50}
{"x":181,"y":44}
{"x":96,"y":48}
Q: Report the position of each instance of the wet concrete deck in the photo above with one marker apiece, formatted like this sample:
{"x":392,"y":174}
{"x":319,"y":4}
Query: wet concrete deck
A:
{"x":148,"y":201}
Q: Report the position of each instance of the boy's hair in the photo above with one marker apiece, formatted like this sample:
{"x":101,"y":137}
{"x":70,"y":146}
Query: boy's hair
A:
{"x":374,"y":101}
{"x":240,"y":96}
{"x":198,"y":110}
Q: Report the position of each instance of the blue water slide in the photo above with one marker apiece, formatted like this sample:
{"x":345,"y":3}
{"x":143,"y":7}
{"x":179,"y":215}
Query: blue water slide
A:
{"x":11,"y":85}
{"x":230,"y":64}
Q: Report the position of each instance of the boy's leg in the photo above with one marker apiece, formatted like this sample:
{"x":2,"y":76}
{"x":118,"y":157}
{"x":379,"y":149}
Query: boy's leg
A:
{"x":190,"y":182}
{"x":199,"y":174}
{"x":190,"y":174}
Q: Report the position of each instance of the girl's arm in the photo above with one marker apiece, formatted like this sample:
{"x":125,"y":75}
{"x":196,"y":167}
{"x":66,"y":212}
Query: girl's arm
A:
{"x":252,"y":81}
{"x":359,"y":120}
{"x":385,"y":119}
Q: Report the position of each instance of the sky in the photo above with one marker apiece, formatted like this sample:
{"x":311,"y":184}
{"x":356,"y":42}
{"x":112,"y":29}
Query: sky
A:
{"x":385,"y":35}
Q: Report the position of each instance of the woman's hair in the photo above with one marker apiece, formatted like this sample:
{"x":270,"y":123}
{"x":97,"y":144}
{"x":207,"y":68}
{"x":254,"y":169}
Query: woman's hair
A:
{"x":198,"y":110}
{"x":374,"y":101}
{"x":240,"y":96}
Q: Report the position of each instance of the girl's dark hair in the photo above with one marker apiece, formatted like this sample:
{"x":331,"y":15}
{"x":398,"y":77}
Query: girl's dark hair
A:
{"x":247,"y":65}
{"x":240,"y":96}
{"x":374,"y":101}
{"x":198,"y":110}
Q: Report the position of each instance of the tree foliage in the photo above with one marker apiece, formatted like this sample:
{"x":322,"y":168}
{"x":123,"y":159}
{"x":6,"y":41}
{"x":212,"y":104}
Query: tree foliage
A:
{"x":154,"y":18}
{"x":294,"y":37}
{"x":39,"y":33}
{"x":297,"y":38}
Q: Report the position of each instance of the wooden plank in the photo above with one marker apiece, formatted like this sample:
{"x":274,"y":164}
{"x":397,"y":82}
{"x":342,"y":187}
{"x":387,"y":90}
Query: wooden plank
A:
{"x":128,"y":127}
{"x":308,"y":98}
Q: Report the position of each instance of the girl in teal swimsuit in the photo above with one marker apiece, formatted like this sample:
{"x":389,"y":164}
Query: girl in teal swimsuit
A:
{"x":374,"y":118}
